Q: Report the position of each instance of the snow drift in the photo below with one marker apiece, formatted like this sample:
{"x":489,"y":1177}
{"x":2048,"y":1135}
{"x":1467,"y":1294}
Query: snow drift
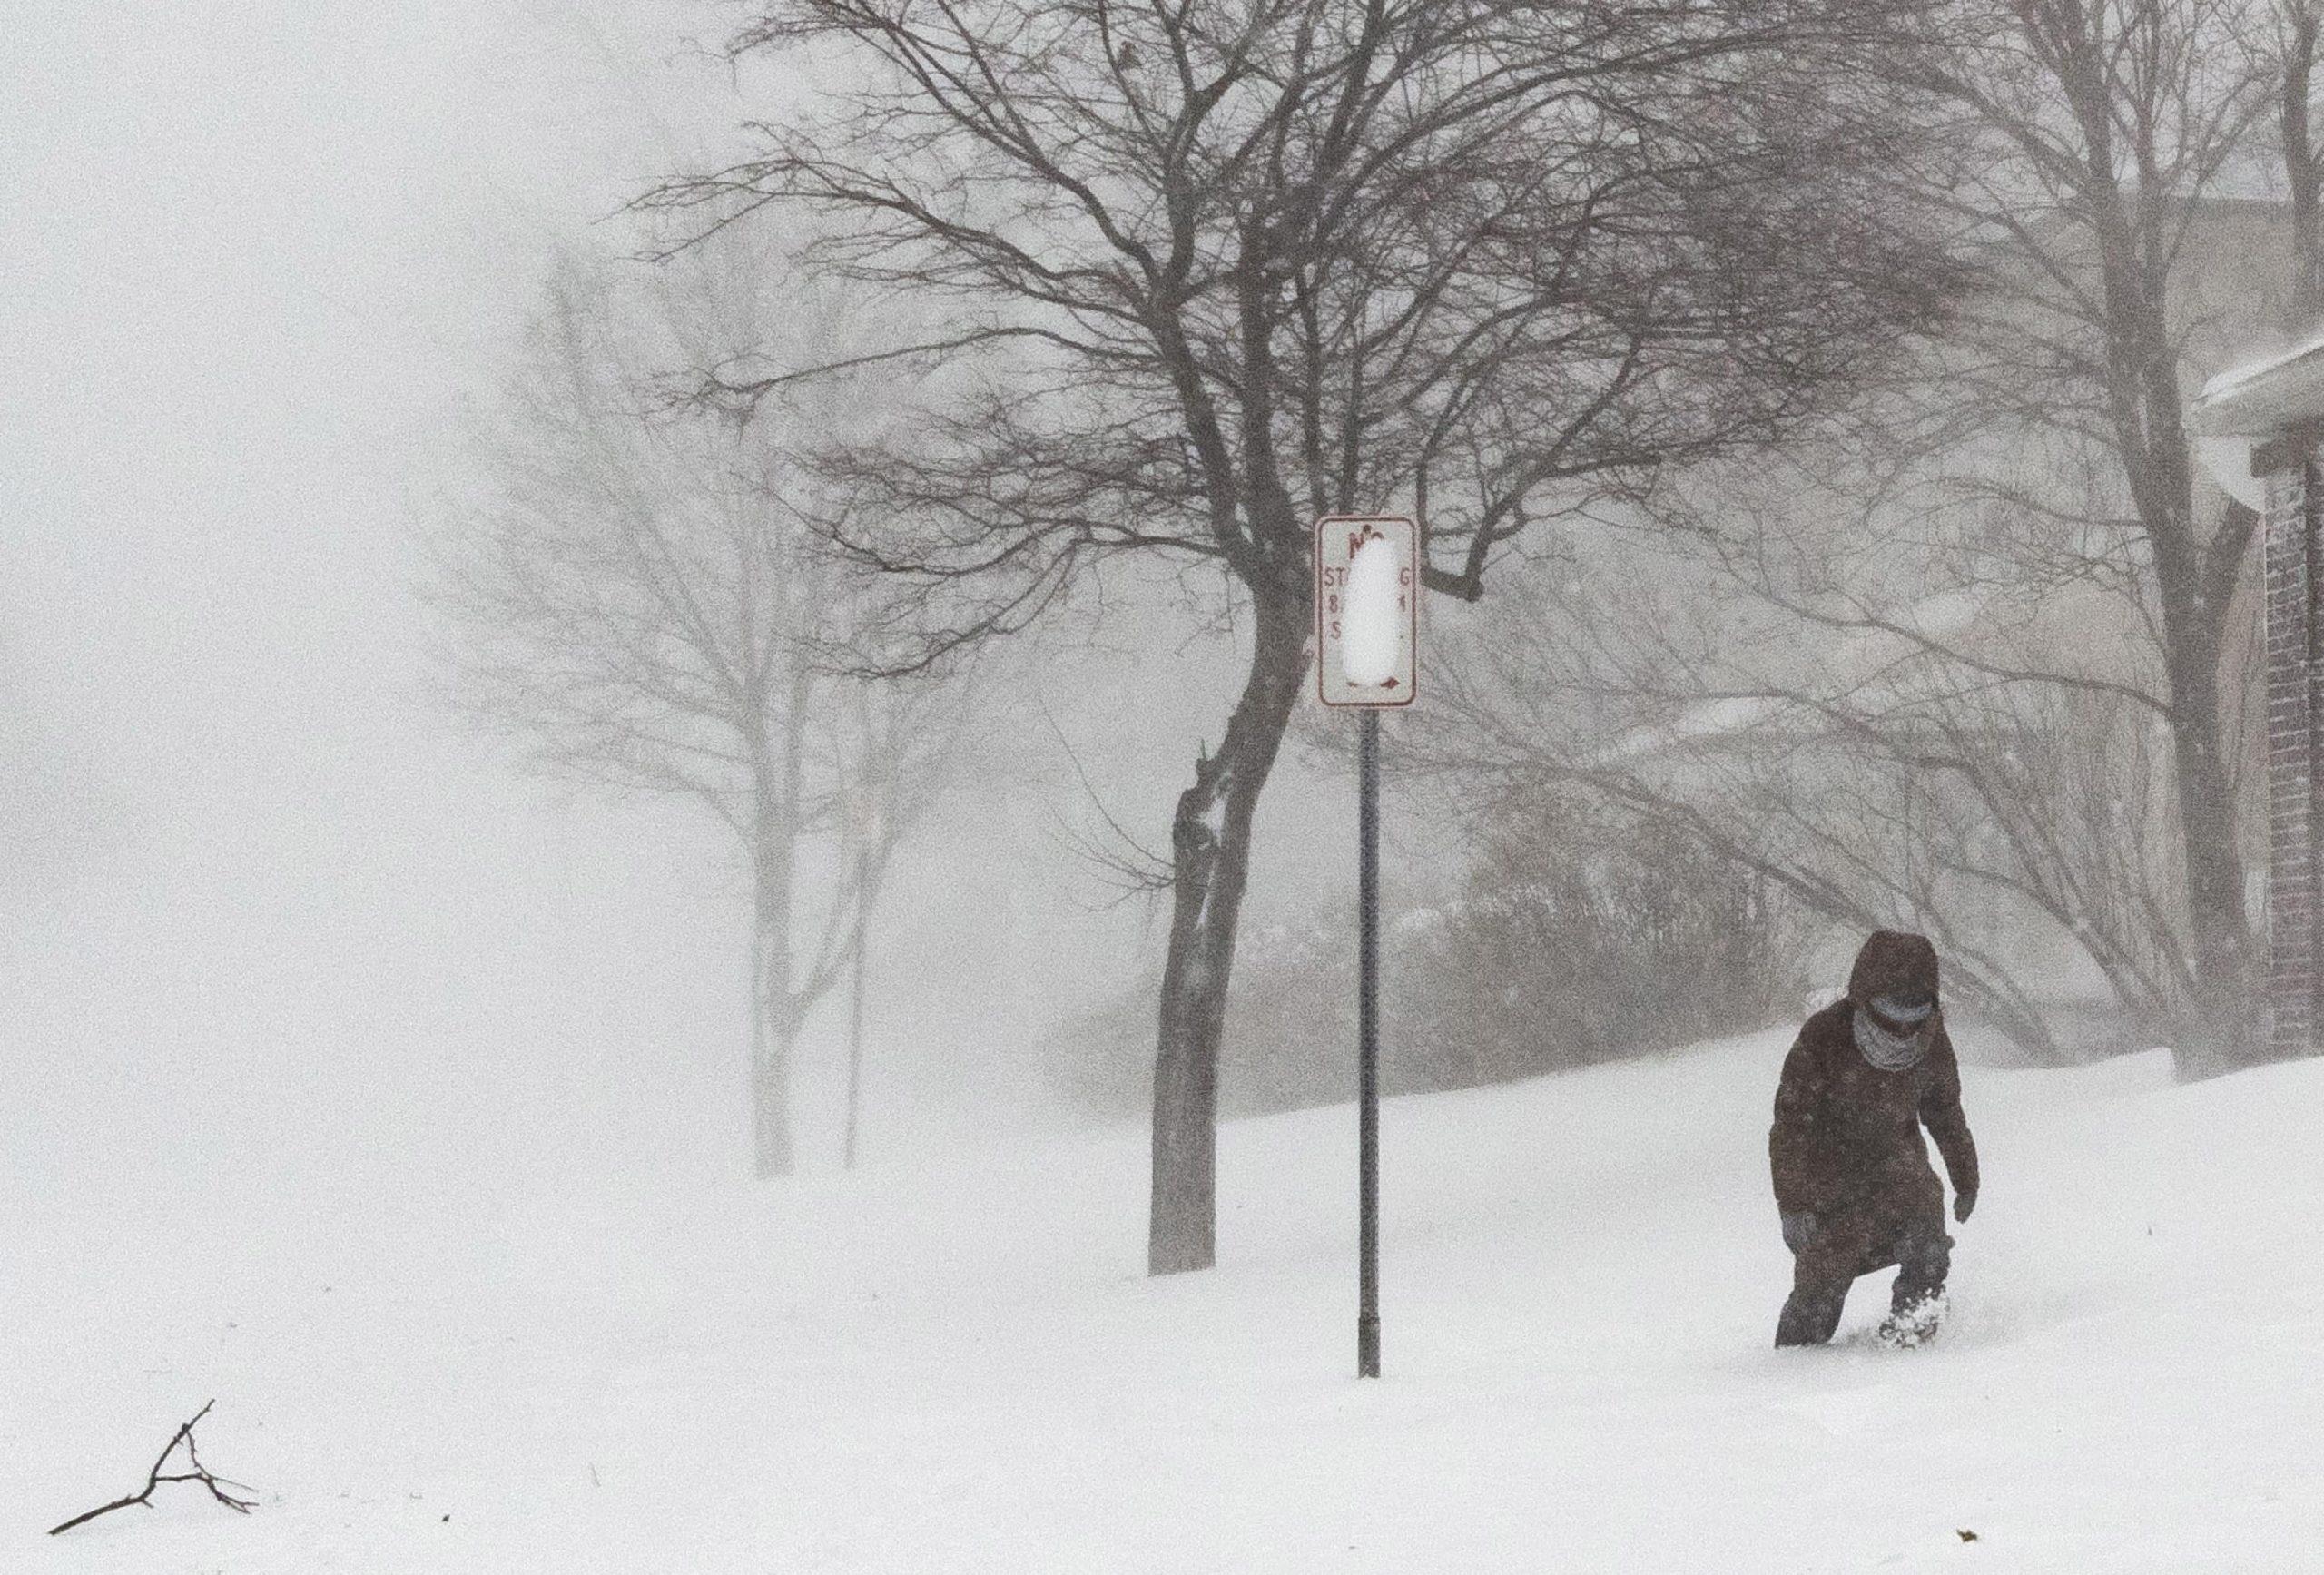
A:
{"x":963,"y":1368}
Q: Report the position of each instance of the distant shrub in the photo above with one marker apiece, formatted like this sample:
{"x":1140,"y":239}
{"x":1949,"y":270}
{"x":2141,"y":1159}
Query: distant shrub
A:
{"x":1568,"y":941}
{"x":1574,"y":942}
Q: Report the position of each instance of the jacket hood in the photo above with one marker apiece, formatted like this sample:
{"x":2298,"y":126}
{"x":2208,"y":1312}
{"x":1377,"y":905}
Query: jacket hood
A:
{"x":1892,"y":962}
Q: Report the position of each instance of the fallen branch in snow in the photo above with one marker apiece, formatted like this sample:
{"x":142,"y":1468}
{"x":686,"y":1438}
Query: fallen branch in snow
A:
{"x":156,"y":1477}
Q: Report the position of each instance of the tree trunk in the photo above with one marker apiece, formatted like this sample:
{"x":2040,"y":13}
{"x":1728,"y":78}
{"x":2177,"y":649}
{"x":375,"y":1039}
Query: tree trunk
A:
{"x":2195,"y":583}
{"x":855,"y":991}
{"x":774,"y":1011}
{"x":772,"y":1033}
{"x":2303,"y":169}
{"x":771,"y":1111}
{"x":2222,"y":1033}
{"x":1210,"y":841}
{"x":778,"y":754}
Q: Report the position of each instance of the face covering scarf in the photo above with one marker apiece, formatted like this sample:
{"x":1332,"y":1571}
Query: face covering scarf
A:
{"x":1891,"y":1052}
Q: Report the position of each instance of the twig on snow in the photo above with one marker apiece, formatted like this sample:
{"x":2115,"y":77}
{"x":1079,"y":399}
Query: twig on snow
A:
{"x":182,"y":1437}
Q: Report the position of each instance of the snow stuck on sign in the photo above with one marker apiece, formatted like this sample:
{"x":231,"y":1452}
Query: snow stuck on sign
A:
{"x":1374,"y":621}
{"x":1367,"y":633}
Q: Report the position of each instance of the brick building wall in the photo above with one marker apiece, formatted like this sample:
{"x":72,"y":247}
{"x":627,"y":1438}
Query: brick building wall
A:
{"x":2295,"y":697}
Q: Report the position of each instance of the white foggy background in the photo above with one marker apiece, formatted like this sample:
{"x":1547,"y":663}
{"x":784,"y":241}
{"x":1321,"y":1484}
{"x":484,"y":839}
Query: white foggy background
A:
{"x":265,"y":911}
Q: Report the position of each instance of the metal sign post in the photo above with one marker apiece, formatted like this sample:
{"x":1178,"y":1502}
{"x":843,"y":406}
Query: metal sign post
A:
{"x":1367,"y":628}
{"x":1367,"y":1048}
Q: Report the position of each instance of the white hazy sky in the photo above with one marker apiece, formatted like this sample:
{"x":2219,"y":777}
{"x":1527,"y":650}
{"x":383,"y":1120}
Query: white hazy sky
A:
{"x":259,"y":903}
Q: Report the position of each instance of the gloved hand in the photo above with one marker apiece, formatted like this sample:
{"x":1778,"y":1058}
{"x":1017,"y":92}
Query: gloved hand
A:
{"x":1798,"y":1229}
{"x":1962,"y":1202}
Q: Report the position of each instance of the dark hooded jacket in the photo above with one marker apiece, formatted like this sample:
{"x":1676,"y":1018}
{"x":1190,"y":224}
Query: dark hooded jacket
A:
{"x":1847,"y":1138}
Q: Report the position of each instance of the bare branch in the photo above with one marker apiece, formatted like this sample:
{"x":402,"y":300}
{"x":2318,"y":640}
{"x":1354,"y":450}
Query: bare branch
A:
{"x":181,"y":1440}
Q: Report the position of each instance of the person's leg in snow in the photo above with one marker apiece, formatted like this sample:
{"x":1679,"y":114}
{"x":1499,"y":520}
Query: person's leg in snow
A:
{"x":1824,"y":1261}
{"x":1849,"y":1246}
{"x":1917,"y":1302}
{"x":1811,"y":1313}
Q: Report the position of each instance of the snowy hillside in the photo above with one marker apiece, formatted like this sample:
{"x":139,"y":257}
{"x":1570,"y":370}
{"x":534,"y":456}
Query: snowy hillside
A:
{"x":947,"y":1370}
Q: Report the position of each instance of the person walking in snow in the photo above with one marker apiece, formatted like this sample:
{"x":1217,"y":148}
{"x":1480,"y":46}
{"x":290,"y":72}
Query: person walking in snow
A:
{"x":1854,"y":1189}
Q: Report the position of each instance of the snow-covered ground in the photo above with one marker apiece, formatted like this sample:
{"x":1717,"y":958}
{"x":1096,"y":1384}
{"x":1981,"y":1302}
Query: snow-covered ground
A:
{"x":961,"y":1366}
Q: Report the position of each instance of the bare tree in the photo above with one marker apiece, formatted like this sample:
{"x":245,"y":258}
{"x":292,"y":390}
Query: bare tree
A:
{"x":639,"y":607}
{"x":1219,"y":269}
{"x":2106,"y":130}
{"x":1917,"y":716}
{"x":2035,"y":474}
{"x":2079,"y":732}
